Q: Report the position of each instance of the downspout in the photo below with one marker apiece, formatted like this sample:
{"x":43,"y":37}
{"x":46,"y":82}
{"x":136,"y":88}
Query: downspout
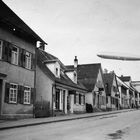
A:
{"x":53,"y":86}
{"x":34,"y":97}
{"x":52,"y":99}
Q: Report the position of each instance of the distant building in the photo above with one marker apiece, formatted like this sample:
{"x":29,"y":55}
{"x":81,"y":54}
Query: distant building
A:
{"x":90,"y":75}
{"x":17,"y":65}
{"x":136,"y":85}
{"x":112,"y":92}
{"x":133,"y":92}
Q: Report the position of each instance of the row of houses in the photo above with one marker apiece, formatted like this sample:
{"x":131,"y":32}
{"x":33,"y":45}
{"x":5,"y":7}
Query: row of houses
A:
{"x":34,"y":83}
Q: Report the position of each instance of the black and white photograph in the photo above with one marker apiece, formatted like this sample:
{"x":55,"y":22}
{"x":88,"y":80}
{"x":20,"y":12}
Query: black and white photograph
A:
{"x":69,"y":69}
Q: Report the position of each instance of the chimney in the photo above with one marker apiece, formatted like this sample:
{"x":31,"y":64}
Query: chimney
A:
{"x":105,"y":71}
{"x":75,"y":62}
{"x":42,"y":46}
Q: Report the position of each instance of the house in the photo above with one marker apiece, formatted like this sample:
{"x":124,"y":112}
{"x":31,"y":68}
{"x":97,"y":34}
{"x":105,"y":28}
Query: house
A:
{"x":125,"y":94}
{"x":90,"y":75}
{"x":136,"y":85}
{"x":132,"y":93}
{"x":17,"y":65}
{"x":57,"y":87}
{"x":112,"y":93}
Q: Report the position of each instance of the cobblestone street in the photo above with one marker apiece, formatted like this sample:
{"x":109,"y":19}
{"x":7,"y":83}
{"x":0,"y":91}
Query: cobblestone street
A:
{"x":124,"y":126}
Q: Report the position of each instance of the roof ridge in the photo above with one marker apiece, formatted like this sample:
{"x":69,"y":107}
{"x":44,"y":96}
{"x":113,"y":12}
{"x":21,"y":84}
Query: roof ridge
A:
{"x":85,"y":64}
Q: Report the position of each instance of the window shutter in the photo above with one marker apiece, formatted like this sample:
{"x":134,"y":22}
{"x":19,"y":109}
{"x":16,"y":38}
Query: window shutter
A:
{"x":33,"y":61}
{"x":83,"y":99}
{"x":7,"y":88}
{"x":74,"y":98}
{"x":79,"y":98}
{"x":20,"y":96}
{"x":23,"y":55}
{"x":20,"y":57}
{"x":32,"y":95}
{"x":5,"y":51}
{"x":9,"y":52}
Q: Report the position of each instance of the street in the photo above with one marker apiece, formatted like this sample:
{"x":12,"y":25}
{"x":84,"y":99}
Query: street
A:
{"x":122,"y":126}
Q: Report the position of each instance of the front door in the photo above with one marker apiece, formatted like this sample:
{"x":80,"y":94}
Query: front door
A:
{"x":57,"y":100}
{"x":68,"y":103}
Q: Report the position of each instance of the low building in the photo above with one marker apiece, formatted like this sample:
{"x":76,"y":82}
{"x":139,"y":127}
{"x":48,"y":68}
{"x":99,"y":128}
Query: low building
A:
{"x":132,"y":93}
{"x":124,"y":94}
{"x":136,"y":85}
{"x":112,"y":92}
{"x":90,"y":75}
{"x":57,"y":87}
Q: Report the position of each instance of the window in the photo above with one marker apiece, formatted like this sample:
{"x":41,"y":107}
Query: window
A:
{"x":27,"y":95}
{"x":82,"y":99}
{"x":28,"y":60}
{"x":75,"y":77}
{"x":14,"y":55}
{"x":56,"y":71}
{"x":13,"y":93}
{"x":1,"y":43}
{"x":77,"y":98}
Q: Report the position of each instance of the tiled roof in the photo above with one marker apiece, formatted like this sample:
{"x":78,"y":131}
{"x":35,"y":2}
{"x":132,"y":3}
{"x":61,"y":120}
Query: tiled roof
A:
{"x":108,"y":79}
{"x":9,"y":19}
{"x":47,"y":57}
{"x":87,"y":74}
{"x":43,"y":56}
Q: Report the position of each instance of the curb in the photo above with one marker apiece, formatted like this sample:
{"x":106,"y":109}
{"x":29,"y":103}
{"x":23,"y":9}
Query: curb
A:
{"x":62,"y":120}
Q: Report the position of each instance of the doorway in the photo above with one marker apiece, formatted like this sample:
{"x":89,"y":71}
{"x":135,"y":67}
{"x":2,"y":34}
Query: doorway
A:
{"x":1,"y":81}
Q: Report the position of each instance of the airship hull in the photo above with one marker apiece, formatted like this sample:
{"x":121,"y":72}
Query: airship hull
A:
{"x":119,"y":57}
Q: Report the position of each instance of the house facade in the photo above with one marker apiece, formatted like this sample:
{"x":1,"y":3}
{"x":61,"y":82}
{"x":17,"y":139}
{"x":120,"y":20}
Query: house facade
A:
{"x":90,"y":75}
{"x":112,"y":92}
{"x":132,"y":93}
{"x":17,"y":67}
{"x":125,"y":94}
{"x":136,"y":85}
{"x":58,"y":87}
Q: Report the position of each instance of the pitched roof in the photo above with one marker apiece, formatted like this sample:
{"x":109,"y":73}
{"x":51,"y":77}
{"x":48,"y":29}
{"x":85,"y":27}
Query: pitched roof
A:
{"x":9,"y":19}
{"x":43,"y":56}
{"x":46,"y":57}
{"x":125,"y":78}
{"x":87,"y":74}
{"x":108,"y":79}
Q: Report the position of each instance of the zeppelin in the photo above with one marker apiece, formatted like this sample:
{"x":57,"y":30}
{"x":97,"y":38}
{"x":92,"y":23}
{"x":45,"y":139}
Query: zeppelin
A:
{"x":119,"y":57}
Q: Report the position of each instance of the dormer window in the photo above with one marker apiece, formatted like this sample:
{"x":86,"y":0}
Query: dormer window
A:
{"x":72,"y":75}
{"x":54,"y":67}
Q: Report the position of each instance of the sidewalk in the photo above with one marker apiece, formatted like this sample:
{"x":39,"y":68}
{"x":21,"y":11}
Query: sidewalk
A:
{"x":37,"y":121}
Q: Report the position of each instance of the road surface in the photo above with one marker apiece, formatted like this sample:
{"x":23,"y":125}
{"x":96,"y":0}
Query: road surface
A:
{"x":122,"y":126}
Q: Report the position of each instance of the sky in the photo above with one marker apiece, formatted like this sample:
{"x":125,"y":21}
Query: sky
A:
{"x":84,"y":28}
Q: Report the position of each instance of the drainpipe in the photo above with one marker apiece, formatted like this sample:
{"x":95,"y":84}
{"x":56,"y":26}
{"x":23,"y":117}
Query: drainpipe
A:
{"x":52,"y":99}
{"x":34,"y":97}
{"x":53,"y":86}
